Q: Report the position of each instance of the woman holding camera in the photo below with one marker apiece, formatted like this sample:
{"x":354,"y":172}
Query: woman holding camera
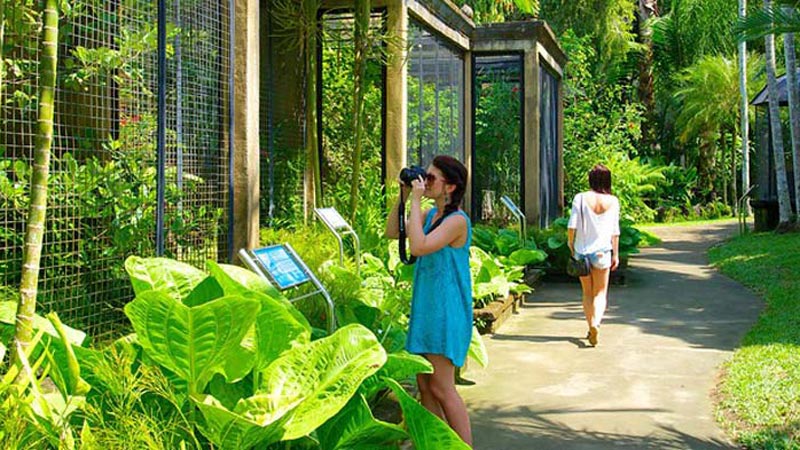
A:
{"x":593,"y":233}
{"x":440,"y":327}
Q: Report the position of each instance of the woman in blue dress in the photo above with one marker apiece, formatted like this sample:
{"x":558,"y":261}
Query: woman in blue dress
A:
{"x":440,"y":327}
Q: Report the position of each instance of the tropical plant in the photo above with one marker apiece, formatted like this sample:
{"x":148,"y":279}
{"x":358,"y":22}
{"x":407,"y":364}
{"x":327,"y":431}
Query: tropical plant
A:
{"x":775,"y":19}
{"x":554,"y":241}
{"x":607,"y":26}
{"x":793,"y":94}
{"x":223,"y":354}
{"x":498,"y":138}
{"x":492,"y":279}
{"x":784,"y":208}
{"x":506,"y":246}
{"x":489,"y":11}
{"x":709,"y":106}
{"x":34,"y":235}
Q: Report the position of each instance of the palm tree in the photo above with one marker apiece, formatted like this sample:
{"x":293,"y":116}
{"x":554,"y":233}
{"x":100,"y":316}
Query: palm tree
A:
{"x":744,"y":116}
{"x":784,"y":209}
{"x":647,"y":10}
{"x":34,"y":231}
{"x":794,"y":109}
{"x":769,"y":21}
{"x":708,"y":95}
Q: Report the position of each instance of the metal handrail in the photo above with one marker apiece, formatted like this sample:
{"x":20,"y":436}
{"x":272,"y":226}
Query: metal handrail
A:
{"x":516,"y":212}
{"x":339,"y":235}
{"x":742,"y":217}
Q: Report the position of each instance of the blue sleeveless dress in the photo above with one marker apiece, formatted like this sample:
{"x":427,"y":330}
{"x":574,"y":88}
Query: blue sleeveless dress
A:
{"x":441,"y":303}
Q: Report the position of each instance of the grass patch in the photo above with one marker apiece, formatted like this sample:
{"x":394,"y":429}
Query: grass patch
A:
{"x":692,"y":222}
{"x":759,"y":393}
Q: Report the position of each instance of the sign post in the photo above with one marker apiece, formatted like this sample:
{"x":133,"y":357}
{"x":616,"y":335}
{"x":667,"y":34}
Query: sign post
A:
{"x":282,"y":267}
{"x":339,"y":227}
{"x":516,"y":212}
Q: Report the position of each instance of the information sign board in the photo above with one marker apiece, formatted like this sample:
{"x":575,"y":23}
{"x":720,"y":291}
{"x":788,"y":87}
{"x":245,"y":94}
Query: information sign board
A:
{"x":281,"y":266}
{"x":332,"y":217}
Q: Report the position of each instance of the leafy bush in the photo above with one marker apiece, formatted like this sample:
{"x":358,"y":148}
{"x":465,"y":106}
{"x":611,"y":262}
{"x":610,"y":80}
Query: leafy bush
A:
{"x":601,"y":127}
{"x":219,"y":360}
{"x":554,"y":240}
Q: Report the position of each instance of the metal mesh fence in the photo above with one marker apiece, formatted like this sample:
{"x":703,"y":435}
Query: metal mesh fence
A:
{"x":102,"y":189}
{"x":337,"y":69}
{"x":435,"y":97}
{"x":281,"y":122}
{"x":549,"y":161}
{"x":498,"y":135}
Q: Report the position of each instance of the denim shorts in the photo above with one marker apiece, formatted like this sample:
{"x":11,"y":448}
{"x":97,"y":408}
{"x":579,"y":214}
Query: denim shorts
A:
{"x":600,"y":260}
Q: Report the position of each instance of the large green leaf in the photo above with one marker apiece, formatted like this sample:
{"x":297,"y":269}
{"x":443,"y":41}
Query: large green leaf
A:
{"x":322,"y":376}
{"x":207,"y":290}
{"x":403,"y":365}
{"x":301,"y":390}
{"x":174,"y":278}
{"x":279,"y":325}
{"x":277,"y":330}
{"x":8,"y":314}
{"x":192,"y":342}
{"x":235,"y":280}
{"x":555,"y":242}
{"x":66,"y":372}
{"x":241,"y":277}
{"x":255,"y":420}
{"x":427,"y":431}
{"x":524,"y":256}
{"x":355,"y":428}
{"x":477,"y":349}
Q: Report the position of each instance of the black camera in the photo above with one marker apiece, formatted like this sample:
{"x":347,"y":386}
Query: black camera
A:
{"x":409,"y":174}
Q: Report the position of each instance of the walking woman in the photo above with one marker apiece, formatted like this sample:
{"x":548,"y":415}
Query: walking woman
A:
{"x":440,"y":327}
{"x":593,"y":232}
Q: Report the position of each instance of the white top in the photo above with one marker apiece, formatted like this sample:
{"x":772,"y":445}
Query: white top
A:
{"x":594,"y":233}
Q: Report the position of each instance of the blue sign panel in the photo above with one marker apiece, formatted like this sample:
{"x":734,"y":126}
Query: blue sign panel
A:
{"x":281,"y":266}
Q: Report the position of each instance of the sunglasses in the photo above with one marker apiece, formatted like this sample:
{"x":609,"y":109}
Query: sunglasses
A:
{"x":431,"y":178}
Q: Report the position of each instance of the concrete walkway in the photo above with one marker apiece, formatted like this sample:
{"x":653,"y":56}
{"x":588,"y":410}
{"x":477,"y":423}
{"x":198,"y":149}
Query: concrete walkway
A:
{"x":648,"y":385}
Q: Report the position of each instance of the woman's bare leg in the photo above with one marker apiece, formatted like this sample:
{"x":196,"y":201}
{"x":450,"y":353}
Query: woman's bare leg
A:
{"x":443,"y":388}
{"x":428,"y":400}
{"x":599,"y":295}
{"x":588,"y":295}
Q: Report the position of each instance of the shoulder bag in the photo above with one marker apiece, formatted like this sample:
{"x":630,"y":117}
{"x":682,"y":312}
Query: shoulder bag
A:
{"x":580,"y":266}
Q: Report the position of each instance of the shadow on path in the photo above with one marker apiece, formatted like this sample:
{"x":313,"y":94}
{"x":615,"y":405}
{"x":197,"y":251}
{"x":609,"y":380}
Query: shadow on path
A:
{"x":542,"y":430}
{"x":646,"y":386}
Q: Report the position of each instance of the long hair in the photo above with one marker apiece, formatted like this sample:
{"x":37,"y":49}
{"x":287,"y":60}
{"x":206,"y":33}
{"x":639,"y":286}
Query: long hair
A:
{"x":600,"y":179}
{"x":454,"y":173}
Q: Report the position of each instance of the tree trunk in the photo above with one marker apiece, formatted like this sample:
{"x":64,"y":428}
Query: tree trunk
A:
{"x":359,"y":74}
{"x":647,"y":9}
{"x":34,"y":232}
{"x":744,"y":114}
{"x":794,"y":109}
{"x":784,"y":209}
{"x":723,"y":178}
{"x":313,"y":176}
{"x":734,"y":192}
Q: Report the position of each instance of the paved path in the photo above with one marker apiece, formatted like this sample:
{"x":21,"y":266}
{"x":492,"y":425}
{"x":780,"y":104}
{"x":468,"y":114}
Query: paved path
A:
{"x":648,"y":385}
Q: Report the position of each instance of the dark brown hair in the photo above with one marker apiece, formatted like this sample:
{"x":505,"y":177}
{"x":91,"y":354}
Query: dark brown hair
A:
{"x":600,"y":179}
{"x":454,"y":173}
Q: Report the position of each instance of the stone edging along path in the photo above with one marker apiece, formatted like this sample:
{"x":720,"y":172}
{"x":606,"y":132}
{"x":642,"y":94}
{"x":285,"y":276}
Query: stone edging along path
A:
{"x":646,"y":386}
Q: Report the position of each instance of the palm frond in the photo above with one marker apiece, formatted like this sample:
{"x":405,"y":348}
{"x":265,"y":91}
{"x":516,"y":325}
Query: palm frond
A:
{"x":774,"y":20}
